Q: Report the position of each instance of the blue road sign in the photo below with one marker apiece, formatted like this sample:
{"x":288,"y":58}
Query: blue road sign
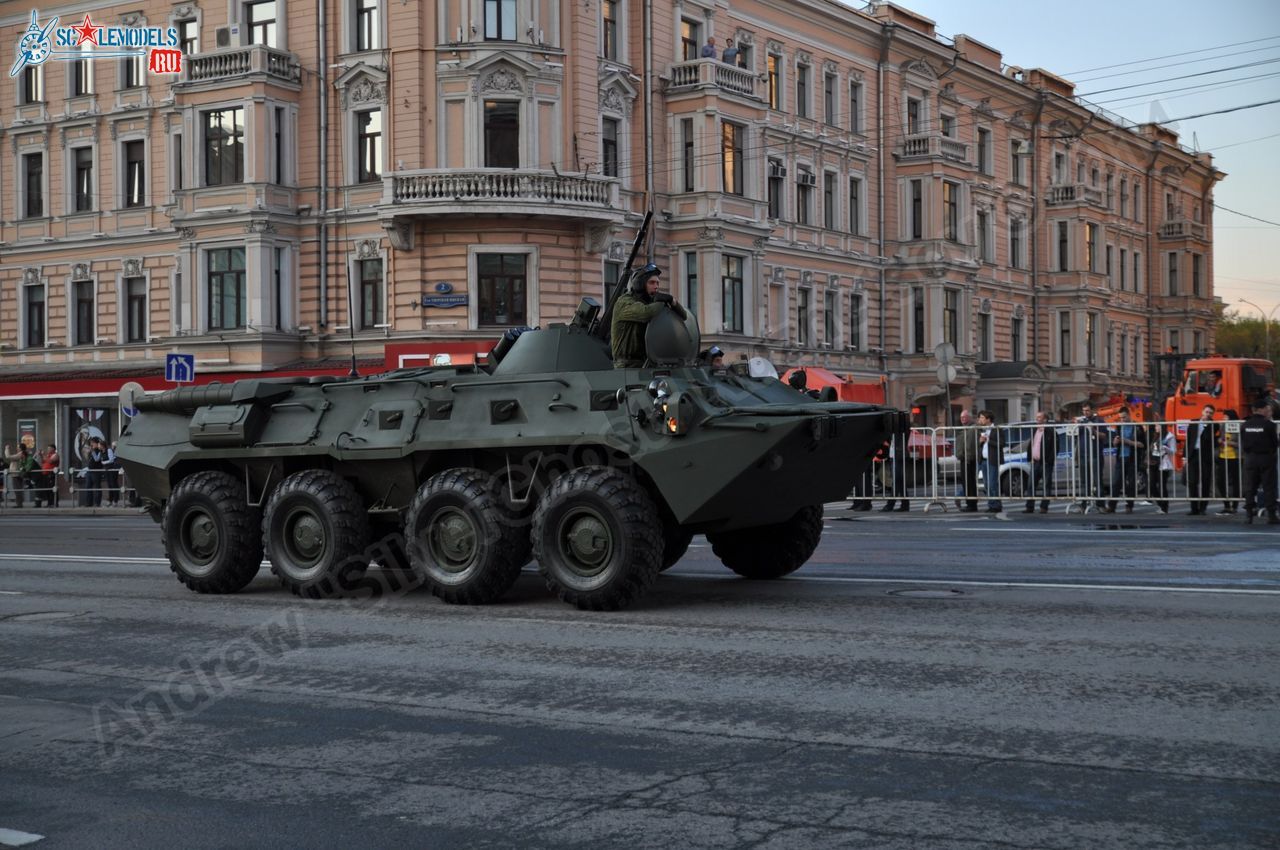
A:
{"x":180,"y":368}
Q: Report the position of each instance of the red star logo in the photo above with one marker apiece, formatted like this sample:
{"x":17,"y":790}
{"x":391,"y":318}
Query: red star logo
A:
{"x":87,"y":31}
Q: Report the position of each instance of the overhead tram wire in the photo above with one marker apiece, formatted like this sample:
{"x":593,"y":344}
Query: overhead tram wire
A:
{"x":1176,"y":64}
{"x":1172,"y":55}
{"x":1183,"y":77}
{"x":1202,"y":88}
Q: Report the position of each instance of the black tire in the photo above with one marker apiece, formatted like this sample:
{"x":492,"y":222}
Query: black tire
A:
{"x":211,"y":534}
{"x":462,"y":542}
{"x":1013,"y":485}
{"x":316,"y":534}
{"x":675,"y":542}
{"x":770,"y":551}
{"x":598,"y":539}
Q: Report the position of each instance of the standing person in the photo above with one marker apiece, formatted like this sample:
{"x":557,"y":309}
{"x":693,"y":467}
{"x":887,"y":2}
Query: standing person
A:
{"x":1226,"y":472}
{"x":1258,"y":444}
{"x":1042,"y":453}
{"x":1202,"y":436}
{"x":1164,"y":448}
{"x":1130,"y":449}
{"x":990,"y":449}
{"x":14,"y":481}
{"x":730,"y":54}
{"x":709,"y":49}
{"x":632,"y":313}
{"x":1089,"y":446}
{"x":897,"y":474}
{"x":967,"y":455}
{"x":96,"y":464}
{"x":112,"y":476}
{"x":49,"y":464}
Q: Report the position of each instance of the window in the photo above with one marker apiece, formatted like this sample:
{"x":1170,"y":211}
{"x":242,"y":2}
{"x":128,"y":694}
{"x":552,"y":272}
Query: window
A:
{"x":916,"y":189}
{"x":1064,"y":246}
{"x":731,"y":293}
{"x":855,"y":107}
{"x":84,"y":179}
{"x":913,"y":115}
{"x":260,"y":16}
{"x":1059,"y":168}
{"x":951,"y":316}
{"x":1111,"y":191}
{"x":829,"y":200}
{"x":1016,"y":243}
{"x":691,"y":294}
{"x":985,"y":249}
{"x":1137,"y":272}
{"x":731,"y":155}
{"x":949,"y":126}
{"x":32,"y":90}
{"x":1124,"y":197}
{"x":1016,"y":163}
{"x":1170,"y":209}
{"x":855,"y":321}
{"x":774,"y":63}
{"x":277,"y":286}
{"x":609,"y":146}
{"x":1111,"y":348}
{"x":1171,"y":265}
{"x":188,"y":36}
{"x":1197,"y":342}
{"x":984,"y":338}
{"x":1064,"y":338}
{"x":984,"y":152}
{"x":368,"y":28}
{"x":690,"y":40}
{"x":135,"y":173}
{"x":500,"y":20}
{"x":372,"y":301}
{"x":1093,"y":177}
{"x":86,"y":317}
{"x":135,"y":315}
{"x":1124,"y":352}
{"x":178,"y":157}
{"x":277,"y":145}
{"x":1137,"y":354}
{"x":777,"y":172}
{"x":82,"y":75}
{"x":802,"y":317}
{"x":1080,"y":170}
{"x":802,"y":91}
{"x":1175,"y":341}
{"x":829,"y":317}
{"x":33,"y":309}
{"x":501,"y":134}
{"x":1197,"y":264}
{"x":804,"y":195}
{"x":224,"y":146}
{"x":1137,"y":202}
{"x":855,"y":205}
{"x":503,"y":288}
{"x":1110,"y":251}
{"x":609,"y":28}
{"x":227,"y":299}
{"x":1124,"y":264}
{"x":1091,"y":338}
{"x":829,"y":98}
{"x":1015,"y":339}
{"x":950,"y":210}
{"x":917,"y":320}
{"x":133,"y":71}
{"x":369,"y":146}
{"x":33,"y":185}
{"x":611,"y":272}
{"x":687,"y":152}
{"x":1091,"y":245}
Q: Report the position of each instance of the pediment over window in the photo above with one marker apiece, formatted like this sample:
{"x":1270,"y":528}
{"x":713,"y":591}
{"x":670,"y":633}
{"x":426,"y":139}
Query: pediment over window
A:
{"x":617,"y":94}
{"x":921,"y":68}
{"x":362,"y":84}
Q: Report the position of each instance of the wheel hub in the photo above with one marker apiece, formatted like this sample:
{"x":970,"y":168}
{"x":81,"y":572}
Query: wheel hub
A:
{"x":202,"y":535}
{"x":452,"y":539}
{"x":306,"y":537}
{"x":586,"y":542}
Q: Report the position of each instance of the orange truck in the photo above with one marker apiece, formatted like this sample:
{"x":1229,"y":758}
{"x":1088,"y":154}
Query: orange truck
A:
{"x":1228,"y":383}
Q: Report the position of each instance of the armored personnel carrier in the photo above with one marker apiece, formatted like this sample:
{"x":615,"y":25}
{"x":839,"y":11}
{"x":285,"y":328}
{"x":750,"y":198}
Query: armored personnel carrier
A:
{"x":545,"y":451}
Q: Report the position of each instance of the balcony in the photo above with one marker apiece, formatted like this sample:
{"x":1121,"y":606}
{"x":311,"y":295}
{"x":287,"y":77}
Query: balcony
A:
{"x":1181,"y":229}
{"x":1071,"y":194}
{"x":712,"y":73}
{"x":254,"y":60}
{"x":926,"y":145}
{"x":502,"y":191}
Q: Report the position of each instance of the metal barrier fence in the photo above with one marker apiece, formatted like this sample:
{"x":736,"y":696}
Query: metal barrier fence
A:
{"x":56,"y":488}
{"x":1105,"y":466}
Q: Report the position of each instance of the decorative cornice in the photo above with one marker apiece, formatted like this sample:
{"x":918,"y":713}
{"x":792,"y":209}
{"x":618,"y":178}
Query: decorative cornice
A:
{"x":499,"y":81}
{"x":365,"y":91}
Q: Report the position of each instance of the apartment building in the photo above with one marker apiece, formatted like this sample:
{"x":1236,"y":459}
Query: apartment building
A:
{"x":325,"y":177}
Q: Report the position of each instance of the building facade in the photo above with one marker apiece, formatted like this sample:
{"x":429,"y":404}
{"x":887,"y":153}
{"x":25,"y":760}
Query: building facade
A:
{"x":850,"y":190}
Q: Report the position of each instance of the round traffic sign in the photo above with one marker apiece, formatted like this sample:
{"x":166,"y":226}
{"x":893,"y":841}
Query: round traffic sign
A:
{"x":947,"y":374}
{"x":129,"y":395}
{"x":945,"y":352}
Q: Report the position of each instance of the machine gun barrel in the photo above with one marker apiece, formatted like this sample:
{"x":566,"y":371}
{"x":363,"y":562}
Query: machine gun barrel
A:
{"x":602,"y":326}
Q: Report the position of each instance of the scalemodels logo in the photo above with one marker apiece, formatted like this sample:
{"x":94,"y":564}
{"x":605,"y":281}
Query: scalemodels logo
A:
{"x":41,"y":43}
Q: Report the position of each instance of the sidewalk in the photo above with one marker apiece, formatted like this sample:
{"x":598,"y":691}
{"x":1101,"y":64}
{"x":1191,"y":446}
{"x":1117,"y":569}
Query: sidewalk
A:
{"x":8,"y":510}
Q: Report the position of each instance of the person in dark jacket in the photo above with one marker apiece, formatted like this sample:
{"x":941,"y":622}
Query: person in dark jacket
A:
{"x":1129,"y":441}
{"x":1042,"y":455}
{"x":1089,"y":450}
{"x":632,"y":314}
{"x":991,"y":455}
{"x":968,"y":455}
{"x":897,"y":483}
{"x":96,"y":463}
{"x":1258,"y":444}
{"x":1202,"y":443}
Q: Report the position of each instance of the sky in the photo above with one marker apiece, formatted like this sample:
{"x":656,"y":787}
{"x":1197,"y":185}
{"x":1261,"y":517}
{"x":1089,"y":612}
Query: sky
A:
{"x":1071,"y":39}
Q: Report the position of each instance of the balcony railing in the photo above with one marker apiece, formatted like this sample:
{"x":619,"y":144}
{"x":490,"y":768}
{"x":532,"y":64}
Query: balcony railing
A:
{"x":240,"y":61}
{"x":714,"y":73}
{"x":507,"y":188}
{"x":1181,"y":229}
{"x":1073,"y":193}
{"x":920,"y":145}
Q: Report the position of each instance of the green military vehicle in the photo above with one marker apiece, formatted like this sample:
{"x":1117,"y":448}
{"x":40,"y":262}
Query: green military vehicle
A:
{"x":545,"y":451}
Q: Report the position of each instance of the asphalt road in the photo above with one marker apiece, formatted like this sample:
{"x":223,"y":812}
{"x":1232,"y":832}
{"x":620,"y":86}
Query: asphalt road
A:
{"x":959,"y":681}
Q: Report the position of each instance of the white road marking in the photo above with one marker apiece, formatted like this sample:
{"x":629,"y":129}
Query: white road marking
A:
{"x":87,"y":559}
{"x":14,"y":838}
{"x":10,"y":592}
{"x":1224,"y":536}
{"x":1018,"y":584}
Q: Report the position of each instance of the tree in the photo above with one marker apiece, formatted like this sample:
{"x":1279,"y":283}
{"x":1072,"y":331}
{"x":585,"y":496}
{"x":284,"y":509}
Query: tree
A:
{"x":1242,"y":335}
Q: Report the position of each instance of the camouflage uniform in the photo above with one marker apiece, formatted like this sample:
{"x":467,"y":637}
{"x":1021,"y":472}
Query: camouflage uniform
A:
{"x":631,"y":316}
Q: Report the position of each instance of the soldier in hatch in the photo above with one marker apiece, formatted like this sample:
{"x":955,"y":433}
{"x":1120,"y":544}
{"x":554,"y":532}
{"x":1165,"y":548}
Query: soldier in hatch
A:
{"x":632,"y":314}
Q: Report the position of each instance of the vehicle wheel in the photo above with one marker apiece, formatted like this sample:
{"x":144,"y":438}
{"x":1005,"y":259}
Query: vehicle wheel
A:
{"x":211,"y":534}
{"x":770,"y":551}
{"x":461,"y":544}
{"x":316,"y":533}
{"x":675,"y":542}
{"x":598,"y":538}
{"x":1014,"y":485}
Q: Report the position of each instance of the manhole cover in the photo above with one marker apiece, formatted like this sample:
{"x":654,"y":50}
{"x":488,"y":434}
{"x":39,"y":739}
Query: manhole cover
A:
{"x":35,"y":616}
{"x":923,"y":593}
